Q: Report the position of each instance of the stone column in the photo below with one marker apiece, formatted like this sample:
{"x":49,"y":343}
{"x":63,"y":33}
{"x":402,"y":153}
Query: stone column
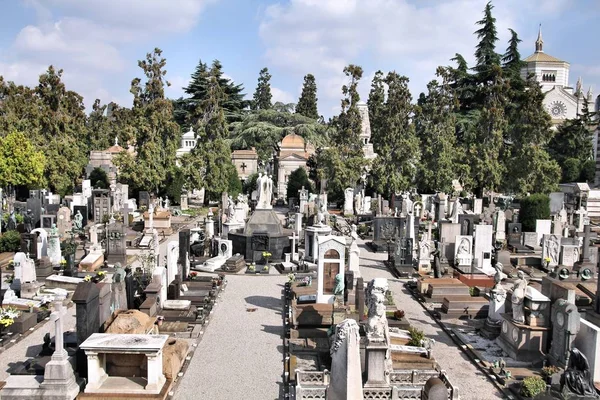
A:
{"x":96,"y":371}
{"x":156,"y":379}
{"x":375,"y":364}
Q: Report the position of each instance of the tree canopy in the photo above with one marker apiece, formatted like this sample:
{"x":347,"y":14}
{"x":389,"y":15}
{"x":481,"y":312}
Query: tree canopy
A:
{"x":307,"y":104}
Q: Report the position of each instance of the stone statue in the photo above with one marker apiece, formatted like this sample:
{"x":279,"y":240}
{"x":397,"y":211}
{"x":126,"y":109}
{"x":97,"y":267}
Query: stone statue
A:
{"x":518,"y":298}
{"x":376,"y":326}
{"x":230,"y":209}
{"x":259,"y":186}
{"x":160,"y":203}
{"x":54,"y":230}
{"x":78,"y":221}
{"x":321,"y":214}
{"x":28,"y":221}
{"x":167,"y":202}
{"x":577,"y":378}
{"x":12,"y":221}
{"x":338,"y":290}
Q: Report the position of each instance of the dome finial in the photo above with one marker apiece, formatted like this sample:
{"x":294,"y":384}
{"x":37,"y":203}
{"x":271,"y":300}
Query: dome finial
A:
{"x":539,"y":43}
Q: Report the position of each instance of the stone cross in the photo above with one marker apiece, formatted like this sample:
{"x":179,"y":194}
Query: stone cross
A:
{"x":57,"y":317}
{"x":244,"y":166}
{"x":125,"y":211}
{"x":49,"y":197}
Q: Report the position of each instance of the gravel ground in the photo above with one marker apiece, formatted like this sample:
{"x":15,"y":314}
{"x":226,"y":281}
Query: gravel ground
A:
{"x":472,"y":383}
{"x":240,"y":354}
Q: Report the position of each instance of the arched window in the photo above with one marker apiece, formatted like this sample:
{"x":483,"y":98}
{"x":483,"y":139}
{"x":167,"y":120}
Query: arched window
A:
{"x":332,"y":254}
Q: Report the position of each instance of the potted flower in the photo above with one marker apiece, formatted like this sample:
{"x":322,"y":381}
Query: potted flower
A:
{"x":265,"y":269}
{"x":8,"y":316}
{"x":193,"y":275}
{"x":87,"y":278}
{"x":266,"y":255}
{"x":547,"y":261}
{"x":252,"y":268}
{"x":291,"y":277}
{"x":548,"y":371}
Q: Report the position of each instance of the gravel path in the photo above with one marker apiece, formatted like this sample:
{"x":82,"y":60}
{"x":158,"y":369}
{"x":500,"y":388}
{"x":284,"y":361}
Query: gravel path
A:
{"x":471,"y":382}
{"x":240,"y":354}
{"x":30,"y":346}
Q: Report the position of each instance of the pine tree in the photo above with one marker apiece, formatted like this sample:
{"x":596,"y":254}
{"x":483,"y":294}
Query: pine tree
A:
{"x":197,"y":90}
{"x":307,"y":104}
{"x":511,"y":60}
{"x":485,"y":52}
{"x":376,"y":103}
{"x":435,"y":124}
{"x":262,"y":95}
{"x":394,"y":169}
{"x":208,"y":165}
{"x":343,"y":164}
{"x":156,"y":134}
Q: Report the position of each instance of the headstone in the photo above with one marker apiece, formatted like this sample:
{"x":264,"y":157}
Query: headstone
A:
{"x":119,"y":291}
{"x":116,"y":249}
{"x":349,"y":201}
{"x":435,"y":389}
{"x":183,"y":202}
{"x":530,"y":239}
{"x":159,"y":276}
{"x":463,"y":256}
{"x":467,"y":224}
{"x":569,"y":255}
{"x":557,"y":200}
{"x":54,"y":252}
{"x":588,"y":342}
{"x":543,"y":227}
{"x":83,"y":211}
{"x":35,"y":205}
{"x":104,"y":302}
{"x":551,"y":250}
{"x":500,"y":226}
{"x":483,"y":247}
{"x":515,"y":237}
{"x":144,"y":200}
{"x":346,"y":376}
{"x":184,"y":249}
{"x":565,"y":326}
{"x":87,"y":302}
{"x":172,"y":254}
{"x":102,"y":205}
{"x":63,"y":220}
{"x":477,"y":206}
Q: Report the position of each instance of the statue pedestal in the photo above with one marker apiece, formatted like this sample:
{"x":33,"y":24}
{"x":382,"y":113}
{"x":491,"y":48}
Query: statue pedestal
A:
{"x":375,"y":363}
{"x":232,"y":227}
{"x":523,"y":342}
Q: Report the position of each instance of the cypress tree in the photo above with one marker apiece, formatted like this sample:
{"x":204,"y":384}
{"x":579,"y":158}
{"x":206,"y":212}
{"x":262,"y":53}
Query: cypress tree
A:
{"x":307,"y":104}
{"x":376,"y":104}
{"x":262,"y":95}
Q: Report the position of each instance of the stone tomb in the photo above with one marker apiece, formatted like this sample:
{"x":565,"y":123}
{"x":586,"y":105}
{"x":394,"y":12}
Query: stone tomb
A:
{"x":551,"y":249}
{"x":448,"y":234}
{"x":483,"y":248}
{"x":463,"y":257}
{"x":107,"y":375}
{"x":569,"y":255}
{"x":332,"y":253}
{"x":531,"y":240}
{"x":116,"y":249}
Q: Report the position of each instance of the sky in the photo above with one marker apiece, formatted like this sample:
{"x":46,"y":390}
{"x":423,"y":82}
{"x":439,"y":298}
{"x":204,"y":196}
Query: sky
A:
{"x":98,"y":42}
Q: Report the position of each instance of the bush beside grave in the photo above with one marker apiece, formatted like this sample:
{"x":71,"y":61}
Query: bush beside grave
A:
{"x":536,"y":206}
{"x":532,"y":386}
{"x":10,"y":242}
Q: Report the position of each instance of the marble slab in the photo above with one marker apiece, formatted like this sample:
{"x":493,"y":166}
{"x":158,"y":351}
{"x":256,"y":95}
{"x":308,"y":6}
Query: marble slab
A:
{"x":124,"y":343}
{"x":177,"y":305}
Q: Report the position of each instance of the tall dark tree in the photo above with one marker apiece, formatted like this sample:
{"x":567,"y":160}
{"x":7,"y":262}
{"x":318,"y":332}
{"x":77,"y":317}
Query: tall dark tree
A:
{"x":394,"y":169}
{"x":376,"y":104}
{"x":156,"y":134}
{"x":197,"y":90}
{"x":343,"y":164}
{"x":435,"y":121}
{"x":485,"y":52}
{"x":511,"y":60}
{"x":307,"y":104}
{"x":208,"y":165}
{"x":262,"y":95}
{"x":101,"y":127}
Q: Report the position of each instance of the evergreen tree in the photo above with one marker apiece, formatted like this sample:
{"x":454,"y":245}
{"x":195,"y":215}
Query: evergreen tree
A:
{"x":298,"y":179}
{"x":344,"y":163}
{"x":572,"y":145}
{"x":197,"y":90}
{"x":62,"y":135}
{"x":397,"y":147}
{"x":307,"y":104}
{"x":156,"y":135}
{"x":435,"y":124}
{"x":262,"y":95}
{"x":101,"y":126}
{"x":376,"y":103}
{"x":208,"y":165}
{"x":485,"y":52}
{"x":511,"y":60}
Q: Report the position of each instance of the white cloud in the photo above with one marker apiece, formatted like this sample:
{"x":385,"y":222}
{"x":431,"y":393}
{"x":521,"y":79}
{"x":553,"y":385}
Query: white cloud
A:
{"x":88,"y":41}
{"x":412,"y":38}
{"x":282,"y":96}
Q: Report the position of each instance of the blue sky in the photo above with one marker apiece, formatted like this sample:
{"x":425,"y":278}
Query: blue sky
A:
{"x":98,"y":43}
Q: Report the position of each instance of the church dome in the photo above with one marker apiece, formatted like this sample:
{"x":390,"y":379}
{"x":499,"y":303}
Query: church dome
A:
{"x":292,"y":141}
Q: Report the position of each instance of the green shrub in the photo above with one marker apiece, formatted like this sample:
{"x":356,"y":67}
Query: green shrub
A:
{"x":10,"y":241}
{"x":536,"y":206}
{"x":532,"y":386}
{"x":416,"y":337}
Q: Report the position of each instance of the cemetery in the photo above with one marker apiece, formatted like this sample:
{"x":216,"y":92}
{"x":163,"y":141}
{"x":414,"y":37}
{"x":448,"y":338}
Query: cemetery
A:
{"x":222,"y":245}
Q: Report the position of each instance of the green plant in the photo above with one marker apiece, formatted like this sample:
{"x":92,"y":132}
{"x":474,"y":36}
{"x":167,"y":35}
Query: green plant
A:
{"x":536,"y":206}
{"x":549,"y":370}
{"x":252,"y":268}
{"x":389,"y":298}
{"x":10,"y":242}
{"x":266,"y":268}
{"x":8,"y":315}
{"x":416,"y":337}
{"x":9,"y":278}
{"x":472,"y":291}
{"x":532,"y":386}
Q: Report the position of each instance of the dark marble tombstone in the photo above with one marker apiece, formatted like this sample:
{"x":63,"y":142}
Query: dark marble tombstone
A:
{"x":129,"y":288}
{"x":35,"y":205}
{"x":184,"y":249}
{"x":144,"y":200}
{"x":403,"y":261}
{"x":84,"y":213}
{"x":101,"y":205}
{"x":385,"y":229}
{"x":467,"y":222}
{"x":514,"y":234}
{"x":47,"y":221}
{"x":116,"y":248}
{"x":87,"y":311}
{"x":360,"y":298}
{"x":52,"y":209}
{"x":29,"y":244}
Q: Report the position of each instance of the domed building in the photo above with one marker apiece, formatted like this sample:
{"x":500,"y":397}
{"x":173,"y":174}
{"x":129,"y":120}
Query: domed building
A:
{"x":293,"y":154}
